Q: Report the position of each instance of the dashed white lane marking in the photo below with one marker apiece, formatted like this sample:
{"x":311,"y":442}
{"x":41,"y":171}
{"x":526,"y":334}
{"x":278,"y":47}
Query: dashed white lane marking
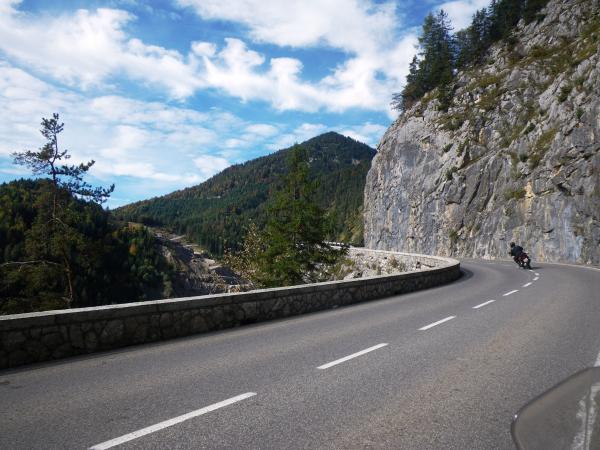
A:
{"x":431,"y":325}
{"x":536,"y":278}
{"x":527,"y":284}
{"x":597,"y":364}
{"x":353,"y":355}
{"x":170,"y":422}
{"x":537,"y":274}
{"x":483,"y":304}
{"x":510,"y":292}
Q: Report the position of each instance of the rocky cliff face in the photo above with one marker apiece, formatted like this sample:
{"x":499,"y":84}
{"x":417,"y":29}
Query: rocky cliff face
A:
{"x":515,"y":157}
{"x":194,"y":273}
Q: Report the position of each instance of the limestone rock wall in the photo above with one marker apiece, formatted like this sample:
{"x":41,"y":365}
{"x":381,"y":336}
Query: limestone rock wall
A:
{"x":516,"y":157}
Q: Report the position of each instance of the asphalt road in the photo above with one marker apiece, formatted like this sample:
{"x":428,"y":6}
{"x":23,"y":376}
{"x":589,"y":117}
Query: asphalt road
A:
{"x":456,"y":384}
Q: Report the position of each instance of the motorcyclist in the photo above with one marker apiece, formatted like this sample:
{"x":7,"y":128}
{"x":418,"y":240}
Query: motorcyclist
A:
{"x":515,"y":251}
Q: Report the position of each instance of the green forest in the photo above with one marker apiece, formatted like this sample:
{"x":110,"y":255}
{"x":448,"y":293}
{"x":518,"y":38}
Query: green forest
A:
{"x":59,"y":248}
{"x":216,"y":214}
{"x":109,"y":261}
{"x":442,"y":54}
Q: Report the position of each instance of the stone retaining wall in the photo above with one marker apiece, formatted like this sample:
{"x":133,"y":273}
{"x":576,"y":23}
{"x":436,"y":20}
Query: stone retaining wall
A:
{"x":42,"y":336}
{"x":368,"y":263}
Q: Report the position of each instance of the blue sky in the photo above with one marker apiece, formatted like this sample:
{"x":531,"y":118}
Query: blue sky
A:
{"x":164,"y":94}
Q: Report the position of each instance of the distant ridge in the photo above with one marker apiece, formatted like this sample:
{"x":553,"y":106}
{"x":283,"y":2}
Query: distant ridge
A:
{"x":216,"y":212}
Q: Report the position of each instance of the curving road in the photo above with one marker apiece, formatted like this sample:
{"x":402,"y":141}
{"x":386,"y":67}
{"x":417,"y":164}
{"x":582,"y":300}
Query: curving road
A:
{"x":441,"y":368}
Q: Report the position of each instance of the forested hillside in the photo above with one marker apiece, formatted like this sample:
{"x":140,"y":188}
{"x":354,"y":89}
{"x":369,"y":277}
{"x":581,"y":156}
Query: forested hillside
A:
{"x":217,"y":212}
{"x":109,"y":262}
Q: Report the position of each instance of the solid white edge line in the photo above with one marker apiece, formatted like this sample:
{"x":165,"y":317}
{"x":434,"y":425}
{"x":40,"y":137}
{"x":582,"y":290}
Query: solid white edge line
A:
{"x":431,"y":325}
{"x":483,"y":304}
{"x":510,"y":292}
{"x":527,"y":284}
{"x":167,"y":423}
{"x":353,"y":355}
{"x":578,"y":266}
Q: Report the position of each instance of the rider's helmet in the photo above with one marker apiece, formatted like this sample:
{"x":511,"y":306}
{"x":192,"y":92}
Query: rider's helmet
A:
{"x":512,"y":244}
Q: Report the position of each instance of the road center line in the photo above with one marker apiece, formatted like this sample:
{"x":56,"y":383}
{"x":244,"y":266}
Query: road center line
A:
{"x":170,"y":422}
{"x":510,"y":292}
{"x":353,"y":355}
{"x":483,"y":304}
{"x":431,"y":325}
{"x":527,"y":284}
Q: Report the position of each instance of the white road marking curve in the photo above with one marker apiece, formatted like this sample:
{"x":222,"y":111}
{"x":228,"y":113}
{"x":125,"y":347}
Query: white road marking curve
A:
{"x":168,"y":423}
{"x":352,"y":356}
{"x":483,"y":304}
{"x":431,"y":325}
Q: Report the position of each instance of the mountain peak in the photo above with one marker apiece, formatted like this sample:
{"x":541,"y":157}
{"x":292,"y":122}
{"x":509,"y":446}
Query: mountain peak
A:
{"x":216,"y":212}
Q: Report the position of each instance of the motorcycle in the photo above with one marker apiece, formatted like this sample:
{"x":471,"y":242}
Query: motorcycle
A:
{"x":565,"y":417}
{"x":524,"y":261}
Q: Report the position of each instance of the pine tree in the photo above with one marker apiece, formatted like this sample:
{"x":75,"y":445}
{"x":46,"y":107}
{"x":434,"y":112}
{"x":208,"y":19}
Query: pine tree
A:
{"x":473,"y":41}
{"x":440,"y":53}
{"x":54,"y":238}
{"x":292,"y":247}
{"x":504,"y":15}
{"x":413,"y":90}
{"x":296,"y":231}
{"x":435,"y":65}
{"x":532,"y":8}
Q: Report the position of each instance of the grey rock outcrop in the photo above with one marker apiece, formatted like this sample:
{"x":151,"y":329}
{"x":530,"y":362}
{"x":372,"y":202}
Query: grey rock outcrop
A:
{"x":515,"y":157}
{"x":194,"y":273}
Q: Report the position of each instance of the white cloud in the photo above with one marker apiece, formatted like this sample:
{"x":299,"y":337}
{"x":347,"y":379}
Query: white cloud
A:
{"x":90,"y":48}
{"x":352,"y":25}
{"x":19,"y":171}
{"x":368,"y":133}
{"x":142,"y":140}
{"x":157,"y":146}
{"x":378,"y":57}
{"x":210,"y":165}
{"x":234,"y":143}
{"x":86,"y":47}
{"x":300,"y":134}
{"x":25,"y":100}
{"x":261,"y":129}
{"x":460,"y":12}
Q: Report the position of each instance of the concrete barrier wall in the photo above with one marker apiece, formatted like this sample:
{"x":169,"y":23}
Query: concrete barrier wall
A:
{"x":35,"y":337}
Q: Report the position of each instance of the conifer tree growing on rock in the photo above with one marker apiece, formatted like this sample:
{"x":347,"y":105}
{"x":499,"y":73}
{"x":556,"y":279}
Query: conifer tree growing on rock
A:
{"x":441,"y":54}
{"x":434,"y":67}
{"x":472,"y":42}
